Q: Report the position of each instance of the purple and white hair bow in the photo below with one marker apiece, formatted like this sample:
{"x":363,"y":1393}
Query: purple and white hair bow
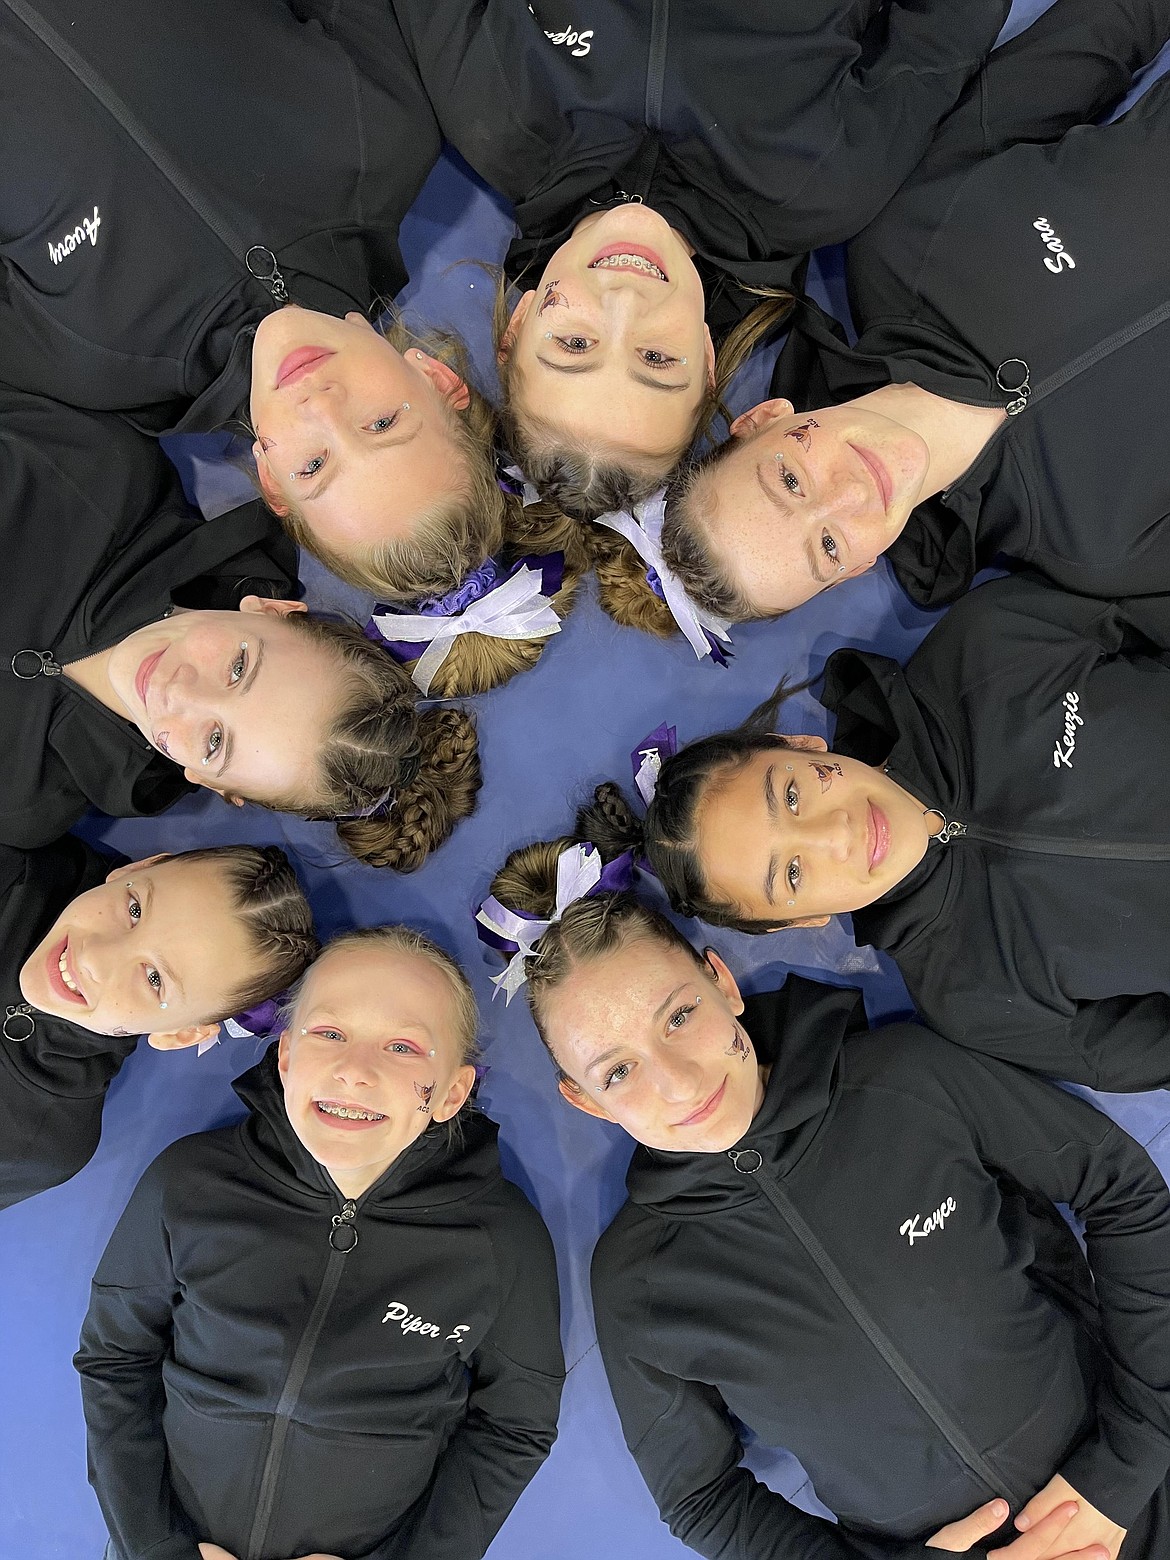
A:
{"x":643,"y":531}
{"x":648,"y":757}
{"x":511,"y":604}
{"x":255,"y":1023}
{"x":513,"y":480}
{"x":579,"y":874}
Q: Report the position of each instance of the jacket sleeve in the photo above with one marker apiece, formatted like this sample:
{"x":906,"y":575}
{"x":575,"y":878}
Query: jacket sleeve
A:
{"x":1070,"y":67}
{"x":1056,"y":1144}
{"x":125,"y":1338}
{"x":687,"y":1448}
{"x":517,"y":1372}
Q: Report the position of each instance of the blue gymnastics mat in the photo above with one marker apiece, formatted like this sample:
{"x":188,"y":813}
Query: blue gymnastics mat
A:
{"x":546,"y":739}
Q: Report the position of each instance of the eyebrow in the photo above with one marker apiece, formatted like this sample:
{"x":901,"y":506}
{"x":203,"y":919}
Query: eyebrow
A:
{"x":384,"y":442}
{"x":228,"y":744}
{"x":616,"y":1050}
{"x":171,"y":978}
{"x":589,"y":368}
{"x":774,"y":859}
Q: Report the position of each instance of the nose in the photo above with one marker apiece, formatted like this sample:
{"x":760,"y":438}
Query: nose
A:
{"x":680,"y":1078}
{"x":356,"y":1067}
{"x":828,"y":833}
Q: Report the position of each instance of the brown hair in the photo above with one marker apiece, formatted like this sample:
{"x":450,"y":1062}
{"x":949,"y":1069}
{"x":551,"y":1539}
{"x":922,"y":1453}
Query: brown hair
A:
{"x":590,"y":928}
{"x":687,"y":550}
{"x":271,"y":907}
{"x":580,"y":483}
{"x":380,"y":749}
{"x":459,"y":530}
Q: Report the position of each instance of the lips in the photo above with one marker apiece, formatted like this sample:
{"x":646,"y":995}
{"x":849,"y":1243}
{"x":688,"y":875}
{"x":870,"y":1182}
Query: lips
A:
{"x":704,"y":1112}
{"x":878,"y":836}
{"x":345,"y":1123}
{"x":145,"y":673}
{"x":297,"y":364}
{"x":879,"y":473}
{"x":57,"y":985}
{"x":635,"y":251}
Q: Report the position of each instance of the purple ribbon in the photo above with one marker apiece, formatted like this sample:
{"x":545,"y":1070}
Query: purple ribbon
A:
{"x":479,"y":583}
{"x":616,"y":877}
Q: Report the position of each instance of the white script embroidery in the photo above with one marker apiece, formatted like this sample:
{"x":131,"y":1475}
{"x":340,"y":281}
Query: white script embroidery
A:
{"x":86,"y":228}
{"x":409,"y":1323}
{"x":918,"y":1228}
{"x":1062,"y":756}
{"x":1059,"y":259}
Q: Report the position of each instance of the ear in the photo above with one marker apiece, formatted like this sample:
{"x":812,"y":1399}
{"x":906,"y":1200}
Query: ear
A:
{"x":444,"y":378}
{"x":806,"y":743}
{"x":273,"y":497}
{"x":137,"y":866}
{"x":181,"y":1039}
{"x":808,"y":920}
{"x":709,"y":356}
{"x":757,"y":418}
{"x":577,"y":1097}
{"x":283,"y":1052}
{"x":456,"y":1096}
{"x":263,"y":605}
{"x":725,"y":980}
{"x":519,"y":315}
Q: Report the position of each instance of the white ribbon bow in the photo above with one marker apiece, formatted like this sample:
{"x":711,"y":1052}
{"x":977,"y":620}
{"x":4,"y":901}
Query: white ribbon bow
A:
{"x":578,"y":871}
{"x":530,"y":494}
{"x":643,"y":530}
{"x":514,"y":610}
{"x":646,"y":780}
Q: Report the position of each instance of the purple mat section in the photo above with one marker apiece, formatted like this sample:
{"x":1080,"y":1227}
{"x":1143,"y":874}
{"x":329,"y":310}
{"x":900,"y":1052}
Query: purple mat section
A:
{"x":545,"y":738}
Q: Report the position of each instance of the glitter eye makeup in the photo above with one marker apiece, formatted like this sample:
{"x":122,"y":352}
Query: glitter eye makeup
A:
{"x":825,"y":773}
{"x":800,"y":432}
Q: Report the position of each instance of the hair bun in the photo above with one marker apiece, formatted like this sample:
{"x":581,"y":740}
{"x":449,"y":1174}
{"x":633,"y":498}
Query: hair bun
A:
{"x":610,"y":823}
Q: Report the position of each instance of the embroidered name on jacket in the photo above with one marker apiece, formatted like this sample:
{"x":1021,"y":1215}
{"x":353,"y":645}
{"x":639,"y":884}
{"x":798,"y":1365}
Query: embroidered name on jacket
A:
{"x":919,"y":1227}
{"x":1060,"y":259}
{"x":409,"y":1323}
{"x":86,"y":228}
{"x":1062,"y":757}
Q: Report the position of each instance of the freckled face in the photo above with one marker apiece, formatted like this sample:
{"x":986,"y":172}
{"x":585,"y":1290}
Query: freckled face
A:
{"x":599,"y":346}
{"x":654,"y":1043}
{"x":808,"y":500}
{"x":361,"y":1085}
{"x":794,"y":834}
{"x":240,"y":700}
{"x":116,"y":953}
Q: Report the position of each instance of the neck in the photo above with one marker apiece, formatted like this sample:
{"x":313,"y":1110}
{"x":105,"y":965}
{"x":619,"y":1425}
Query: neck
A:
{"x":955,"y":435}
{"x":92,"y":674}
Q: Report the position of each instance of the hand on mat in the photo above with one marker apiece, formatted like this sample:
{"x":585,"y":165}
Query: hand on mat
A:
{"x":215,"y":1552}
{"x":1044,"y":1541}
{"x":1089,"y":1526}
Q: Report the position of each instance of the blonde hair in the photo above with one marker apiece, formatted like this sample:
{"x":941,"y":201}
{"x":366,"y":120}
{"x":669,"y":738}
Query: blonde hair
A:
{"x":579,"y":484}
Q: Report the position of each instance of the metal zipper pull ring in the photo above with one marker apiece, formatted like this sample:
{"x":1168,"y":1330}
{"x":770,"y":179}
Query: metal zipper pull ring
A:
{"x":265,"y":269}
{"x":1020,"y":392}
{"x":15,"y":1018}
{"x":344,"y":1236}
{"x":951,"y":827}
{"x":746,"y":1160}
{"x":39,"y":664}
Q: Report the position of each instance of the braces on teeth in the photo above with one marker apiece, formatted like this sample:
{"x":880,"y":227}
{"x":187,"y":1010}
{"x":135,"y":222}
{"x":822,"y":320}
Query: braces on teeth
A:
{"x":621,"y":262}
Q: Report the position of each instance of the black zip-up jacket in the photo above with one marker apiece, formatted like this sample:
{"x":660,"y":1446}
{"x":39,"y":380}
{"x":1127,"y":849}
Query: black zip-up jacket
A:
{"x":1036,"y":926}
{"x":97,"y":541}
{"x":874,"y":1277}
{"x":135,"y":180}
{"x":759,"y":131}
{"x":281,"y":1370}
{"x":1029,"y":249}
{"x":53,"y":1074}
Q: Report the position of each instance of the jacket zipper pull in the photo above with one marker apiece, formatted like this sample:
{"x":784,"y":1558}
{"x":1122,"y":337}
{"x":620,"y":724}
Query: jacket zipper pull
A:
{"x":344,"y":1236}
{"x":1019,"y":392}
{"x":952,"y":829}
{"x":746,"y":1160}
{"x":45,"y":666}
{"x":265,"y":269}
{"x":15,"y":1018}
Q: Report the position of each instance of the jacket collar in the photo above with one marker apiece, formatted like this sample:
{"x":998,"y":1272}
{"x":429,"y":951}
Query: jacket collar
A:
{"x":439,"y":1168}
{"x":799,"y":1031}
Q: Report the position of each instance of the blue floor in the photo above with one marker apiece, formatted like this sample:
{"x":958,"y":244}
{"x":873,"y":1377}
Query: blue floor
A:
{"x":546,"y":739}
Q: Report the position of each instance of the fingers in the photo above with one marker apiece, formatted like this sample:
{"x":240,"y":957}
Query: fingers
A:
{"x":1041,"y":1541}
{"x":959,"y":1536}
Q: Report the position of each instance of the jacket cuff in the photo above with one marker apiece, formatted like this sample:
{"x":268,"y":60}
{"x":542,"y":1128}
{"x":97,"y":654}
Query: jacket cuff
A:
{"x":1117,"y":1469}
